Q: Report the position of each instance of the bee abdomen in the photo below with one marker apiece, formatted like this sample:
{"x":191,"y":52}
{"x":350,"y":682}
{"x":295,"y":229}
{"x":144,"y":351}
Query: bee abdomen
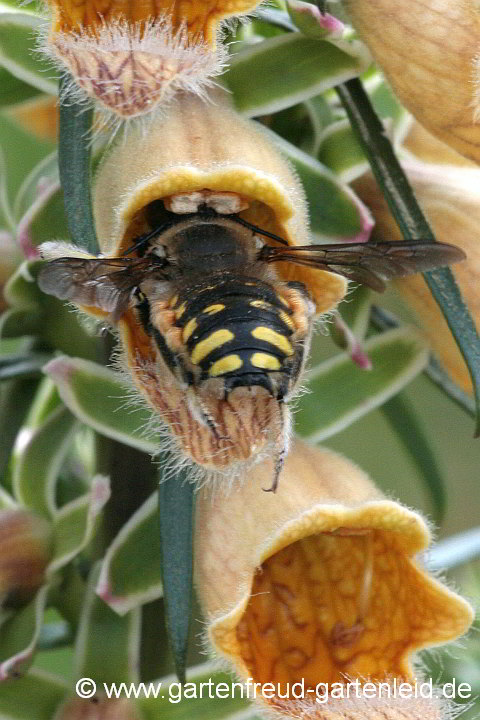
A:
{"x":243,"y":334}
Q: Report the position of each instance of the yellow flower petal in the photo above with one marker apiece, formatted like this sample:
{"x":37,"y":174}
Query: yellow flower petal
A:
{"x":320,"y":581}
{"x":202,"y":17}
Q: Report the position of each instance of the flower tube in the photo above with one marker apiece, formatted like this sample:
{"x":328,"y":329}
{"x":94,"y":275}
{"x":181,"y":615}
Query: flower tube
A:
{"x":428,"y":50}
{"x":448,"y":189}
{"x":131,"y":56}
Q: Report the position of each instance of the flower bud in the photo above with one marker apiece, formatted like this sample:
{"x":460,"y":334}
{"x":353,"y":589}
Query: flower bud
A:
{"x":319,"y":584}
{"x":428,"y":49}
{"x":25,"y":542}
{"x":449,"y":194}
{"x":132,"y":56}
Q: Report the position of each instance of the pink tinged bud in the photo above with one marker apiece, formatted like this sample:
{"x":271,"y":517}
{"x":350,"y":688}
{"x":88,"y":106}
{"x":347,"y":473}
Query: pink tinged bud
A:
{"x":97,"y":708}
{"x":25,"y":550}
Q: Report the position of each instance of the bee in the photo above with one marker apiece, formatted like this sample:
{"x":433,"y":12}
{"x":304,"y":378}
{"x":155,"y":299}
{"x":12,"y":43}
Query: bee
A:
{"x":227,"y":338}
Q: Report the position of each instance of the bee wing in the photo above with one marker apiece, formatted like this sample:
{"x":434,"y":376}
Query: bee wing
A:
{"x":370,"y":263}
{"x":106,"y":283}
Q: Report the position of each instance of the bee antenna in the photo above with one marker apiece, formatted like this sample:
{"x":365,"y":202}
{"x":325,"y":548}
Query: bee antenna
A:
{"x":258,"y":230}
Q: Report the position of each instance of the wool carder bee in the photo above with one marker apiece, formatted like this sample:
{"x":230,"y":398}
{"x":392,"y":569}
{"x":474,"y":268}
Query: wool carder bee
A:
{"x":208,"y":275}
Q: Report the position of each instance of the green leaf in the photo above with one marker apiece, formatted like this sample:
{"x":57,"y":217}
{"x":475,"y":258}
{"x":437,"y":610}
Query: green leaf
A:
{"x":35,"y":696}
{"x":307,"y":67}
{"x":176,"y":513}
{"x":313,"y":23}
{"x":107,"y":645}
{"x":454,"y":550}
{"x":413,"y":224}
{"x":6,"y":217}
{"x":131,"y":570}
{"x":44,"y":402}
{"x":342,"y":153}
{"x":341,"y":393}
{"x":15,"y":400}
{"x":19,"y":634}
{"x":38,"y":209}
{"x":74,"y":153}
{"x":355,"y":310}
{"x":29,"y":365}
{"x":75,"y":523}
{"x":408,"y":428}
{"x":21,"y":152}
{"x":18,"y":43}
{"x":96,"y":396}
{"x":15,"y":323}
{"x":195,"y":700}
{"x":335,"y":211}
{"x":55,"y":323}
{"x":13,"y":90}
{"x":38,"y":458}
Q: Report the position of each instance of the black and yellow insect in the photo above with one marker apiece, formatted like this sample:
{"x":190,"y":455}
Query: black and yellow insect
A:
{"x":224,"y":326}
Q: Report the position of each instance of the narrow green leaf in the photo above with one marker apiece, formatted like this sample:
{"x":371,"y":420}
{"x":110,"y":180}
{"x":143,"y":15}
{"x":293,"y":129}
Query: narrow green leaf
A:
{"x":54,"y":635}
{"x":6,"y":500}
{"x":18,"y":42}
{"x":6,"y":215}
{"x":13,"y":90}
{"x":131,"y":570}
{"x":44,"y":402}
{"x":308,"y":67}
{"x":341,"y":152}
{"x":38,"y":209}
{"x":335,"y":211}
{"x":107,"y":645}
{"x":75,"y":171}
{"x":17,"y":366}
{"x":19,"y":635}
{"x":15,"y":400}
{"x":75,"y":524}
{"x":355,"y":310}
{"x":405,"y":422}
{"x":454,"y":550}
{"x":384,"y":320}
{"x":22,"y":152}
{"x":342,"y":393}
{"x":38,"y":457}
{"x":176,"y":513}
{"x":97,"y":396}
{"x":35,"y":696}
{"x":413,"y":224}
{"x":16,"y":323}
{"x":232,"y":703}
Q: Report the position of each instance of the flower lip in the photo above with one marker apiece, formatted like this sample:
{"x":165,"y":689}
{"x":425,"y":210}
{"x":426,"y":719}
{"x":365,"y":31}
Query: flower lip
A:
{"x":326,"y":585}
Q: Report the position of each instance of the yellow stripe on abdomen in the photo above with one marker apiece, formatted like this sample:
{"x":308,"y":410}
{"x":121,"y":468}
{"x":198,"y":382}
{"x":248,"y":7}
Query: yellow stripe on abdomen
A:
{"x":274,"y":338}
{"x":189,"y":328}
{"x":227,"y":364}
{"x":264,"y":361}
{"x":212,"y":342}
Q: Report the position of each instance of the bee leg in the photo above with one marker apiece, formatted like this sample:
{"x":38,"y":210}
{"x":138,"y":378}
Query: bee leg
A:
{"x":201,"y":413}
{"x":282,"y":443}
